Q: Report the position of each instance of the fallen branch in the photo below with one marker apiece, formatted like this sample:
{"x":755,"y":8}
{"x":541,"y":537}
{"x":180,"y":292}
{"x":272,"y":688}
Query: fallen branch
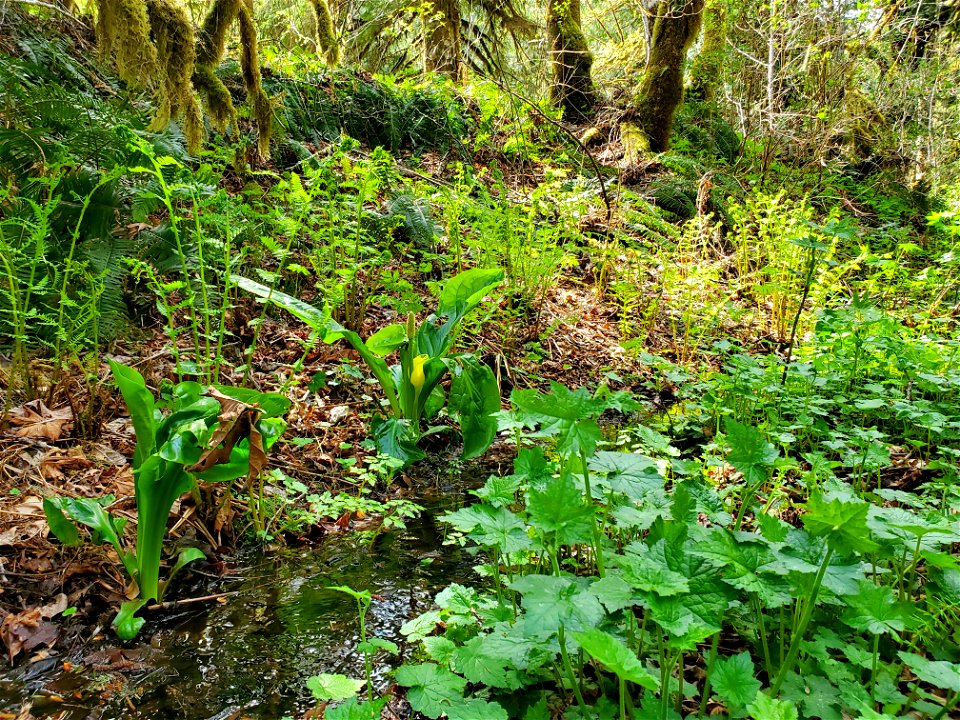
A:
{"x":48,"y":6}
{"x":170,"y":604}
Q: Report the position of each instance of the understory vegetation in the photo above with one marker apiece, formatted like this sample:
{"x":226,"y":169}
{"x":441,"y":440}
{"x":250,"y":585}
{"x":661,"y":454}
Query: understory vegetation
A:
{"x":698,"y":343}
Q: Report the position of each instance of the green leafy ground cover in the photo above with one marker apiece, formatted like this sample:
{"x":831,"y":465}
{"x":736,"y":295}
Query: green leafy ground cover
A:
{"x":747,"y":509}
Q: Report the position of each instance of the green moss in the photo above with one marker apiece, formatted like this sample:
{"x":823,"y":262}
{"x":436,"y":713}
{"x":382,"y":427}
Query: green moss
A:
{"x":123,"y":35}
{"x":661,"y":91}
{"x":635,"y":143}
{"x":572,"y":87}
{"x":175,"y":44}
{"x":326,"y":33}
{"x":708,"y":65}
{"x":252,"y":78}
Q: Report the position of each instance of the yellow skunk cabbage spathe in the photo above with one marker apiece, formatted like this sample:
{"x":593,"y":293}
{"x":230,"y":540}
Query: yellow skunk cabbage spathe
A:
{"x":416,"y":374}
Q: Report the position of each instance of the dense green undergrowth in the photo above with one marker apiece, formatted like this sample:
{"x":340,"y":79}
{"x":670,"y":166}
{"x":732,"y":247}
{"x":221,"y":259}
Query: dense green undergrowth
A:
{"x":773,"y":538}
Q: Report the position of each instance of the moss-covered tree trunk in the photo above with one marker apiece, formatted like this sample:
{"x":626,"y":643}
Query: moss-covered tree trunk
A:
{"x":572,"y":87}
{"x":708,"y":64}
{"x":661,"y":91}
{"x":442,"y":42}
{"x":325,"y":32}
{"x":211,"y":44}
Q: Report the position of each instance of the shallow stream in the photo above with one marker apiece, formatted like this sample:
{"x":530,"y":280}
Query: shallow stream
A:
{"x":250,"y":656}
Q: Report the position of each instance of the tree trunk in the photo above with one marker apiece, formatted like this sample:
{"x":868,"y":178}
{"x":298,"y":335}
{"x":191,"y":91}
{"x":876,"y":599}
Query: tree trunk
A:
{"x":708,"y":65}
{"x":442,"y":42}
{"x":572,"y":88}
{"x":326,"y":33}
{"x":661,"y":90}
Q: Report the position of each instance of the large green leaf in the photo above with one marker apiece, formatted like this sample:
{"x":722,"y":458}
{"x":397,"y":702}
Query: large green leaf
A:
{"x":750,"y":453}
{"x":651,"y":573}
{"x":559,"y":512}
{"x":765,"y":707}
{"x":616,"y":656}
{"x":564,"y":414}
{"x":386,"y":340}
{"x":140,"y":404}
{"x":315,"y":318}
{"x":748,"y":564}
{"x":875,"y":609}
{"x":397,"y":438}
{"x":475,"y":397}
{"x":842,"y":521}
{"x":939,"y":673}
{"x":550,"y":603}
{"x":463,"y":292}
{"x":326,"y":686}
{"x":353,"y":709}
{"x":479,"y":660}
{"x":64,"y":530}
{"x":433,"y":690}
{"x":491,"y":527}
{"x":630,"y":474}
{"x":735,"y":680}
{"x":476,"y":709}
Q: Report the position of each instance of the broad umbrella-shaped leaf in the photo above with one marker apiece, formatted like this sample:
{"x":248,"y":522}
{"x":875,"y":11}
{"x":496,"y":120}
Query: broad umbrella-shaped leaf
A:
{"x":651,"y":573}
{"x":433,"y":690}
{"x":746,"y":564}
{"x":750,"y":453}
{"x":629,"y":474}
{"x":559,"y":512}
{"x":843,"y":522}
{"x":353,"y":709}
{"x":875,"y":610}
{"x":564,"y":414}
{"x":614,"y":592}
{"x":735,"y":680}
{"x":491,"y":527}
{"x":476,"y":709}
{"x":765,"y":707}
{"x":550,"y":603}
{"x":328,"y":686}
{"x":479,"y":661}
{"x":939,"y":673}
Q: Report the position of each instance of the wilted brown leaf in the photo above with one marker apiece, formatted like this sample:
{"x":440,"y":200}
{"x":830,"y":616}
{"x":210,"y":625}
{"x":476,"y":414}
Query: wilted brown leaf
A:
{"x":28,"y":522}
{"x":237,"y":420}
{"x":26,"y":631}
{"x":36,"y":420}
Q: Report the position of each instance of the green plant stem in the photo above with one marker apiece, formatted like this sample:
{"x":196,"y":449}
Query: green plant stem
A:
{"x":571,"y":675}
{"x":623,"y":699}
{"x":873,"y":666}
{"x":705,"y":696}
{"x":807,"y":284}
{"x":797,"y":638}
{"x":597,"y":544}
{"x":947,"y":707}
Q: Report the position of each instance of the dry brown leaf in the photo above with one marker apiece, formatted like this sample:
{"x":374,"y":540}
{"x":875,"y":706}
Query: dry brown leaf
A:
{"x":237,"y":420}
{"x":56,"y":607}
{"x":27,"y":630}
{"x":29,"y":522}
{"x":35,"y":420}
